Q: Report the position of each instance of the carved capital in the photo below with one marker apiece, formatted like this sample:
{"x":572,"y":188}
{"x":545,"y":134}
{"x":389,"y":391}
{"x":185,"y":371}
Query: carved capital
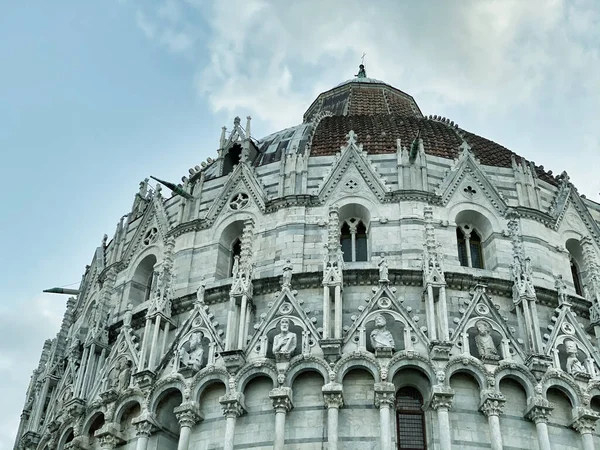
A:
{"x":492,"y":403}
{"x":109,"y":436}
{"x":442,"y":397}
{"x":144,"y":424}
{"x":585,"y":421}
{"x":232,"y":404}
{"x":188,"y":414}
{"x":282,"y":399}
{"x":385,"y":395}
{"x":539,"y":410}
{"x":332,"y":394}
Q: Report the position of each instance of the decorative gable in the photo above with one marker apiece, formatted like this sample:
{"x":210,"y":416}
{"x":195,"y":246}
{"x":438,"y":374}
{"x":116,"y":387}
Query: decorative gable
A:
{"x":570,"y":346}
{"x":482,"y":332}
{"x":240,"y":191}
{"x":402,"y":327}
{"x":350,"y":170}
{"x":286,"y":306}
{"x":467,"y":178}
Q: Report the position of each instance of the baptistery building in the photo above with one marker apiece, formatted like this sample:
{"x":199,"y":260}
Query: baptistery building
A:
{"x":372,"y":278}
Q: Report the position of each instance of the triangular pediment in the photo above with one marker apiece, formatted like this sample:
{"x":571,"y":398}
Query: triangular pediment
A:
{"x":352,"y":160}
{"x":565,"y":326}
{"x":467,"y":180}
{"x":289,"y":307}
{"x":575,"y":216}
{"x":481,"y":308}
{"x":125,"y":348}
{"x":241,"y":191}
{"x":399,"y":322}
{"x":152,"y":229}
{"x":201,"y":324}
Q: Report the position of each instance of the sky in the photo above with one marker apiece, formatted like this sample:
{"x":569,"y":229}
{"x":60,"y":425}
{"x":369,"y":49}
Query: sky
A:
{"x":97,"y":95}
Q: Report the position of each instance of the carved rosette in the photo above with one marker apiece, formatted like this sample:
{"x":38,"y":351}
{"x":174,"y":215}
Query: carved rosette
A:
{"x":188,"y":414}
{"x":492,"y":404}
{"x":385,"y":395}
{"x":539,"y":410}
{"x":282,"y":399}
{"x":585,"y":421}
{"x":232,"y":405}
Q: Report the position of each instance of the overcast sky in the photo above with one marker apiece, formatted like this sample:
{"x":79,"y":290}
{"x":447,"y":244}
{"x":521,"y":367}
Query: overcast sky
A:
{"x":97,"y":95}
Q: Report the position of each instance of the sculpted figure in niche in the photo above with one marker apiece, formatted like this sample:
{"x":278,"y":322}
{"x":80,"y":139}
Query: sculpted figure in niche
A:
{"x":381,"y":337}
{"x":285,"y":342}
{"x":383,"y":268}
{"x":484,"y":342}
{"x":191,"y":357}
{"x":573,"y":364}
{"x":124,"y":375}
{"x":287,"y":274}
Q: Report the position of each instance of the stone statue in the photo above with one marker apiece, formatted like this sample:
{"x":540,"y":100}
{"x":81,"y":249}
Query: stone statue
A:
{"x":191,"y":357}
{"x":236,"y":266}
{"x":285,"y":342}
{"x":484,"y":342}
{"x":573,"y":364}
{"x":128,"y":316}
{"x":561,"y":289}
{"x":381,"y":337}
{"x":383,"y":268}
{"x":287,"y":274}
{"x":124,"y":378}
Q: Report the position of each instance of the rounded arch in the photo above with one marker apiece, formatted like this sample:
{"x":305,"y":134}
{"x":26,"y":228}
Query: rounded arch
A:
{"x":345,"y":365}
{"x":154,"y":250}
{"x":206,"y":380}
{"x":520,"y":375}
{"x":423,"y":365}
{"x":576,"y":263}
{"x":125,"y":404}
{"x":300,"y":365}
{"x":251,"y":372}
{"x":471,"y":367}
{"x":227,"y":225}
{"x":482,"y":217}
{"x":90,"y":420}
{"x":355,"y":207}
{"x":227,"y":236}
{"x":355,"y":224}
{"x":164,"y":389}
{"x":66,"y":436}
{"x":567,"y":387}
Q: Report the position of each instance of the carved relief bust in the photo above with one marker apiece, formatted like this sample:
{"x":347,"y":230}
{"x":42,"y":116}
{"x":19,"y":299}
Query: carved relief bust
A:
{"x":381,"y":337}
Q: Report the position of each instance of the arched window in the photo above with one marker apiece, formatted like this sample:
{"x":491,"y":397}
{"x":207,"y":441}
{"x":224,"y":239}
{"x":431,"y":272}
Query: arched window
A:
{"x":143,"y":281}
{"x":236,"y":250}
{"x":470,"y":252}
{"x":576,"y":274}
{"x":353,"y":240}
{"x":410,"y":419}
{"x":575,"y":261}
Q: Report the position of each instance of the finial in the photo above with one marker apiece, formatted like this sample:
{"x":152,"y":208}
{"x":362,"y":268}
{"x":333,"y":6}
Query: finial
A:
{"x":361,"y":68}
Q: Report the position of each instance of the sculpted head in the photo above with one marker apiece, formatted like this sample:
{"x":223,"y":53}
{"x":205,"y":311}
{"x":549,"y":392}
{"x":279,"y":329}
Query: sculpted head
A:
{"x":570,"y":347}
{"x":284,"y":325}
{"x":380,"y":321}
{"x":482,"y":327}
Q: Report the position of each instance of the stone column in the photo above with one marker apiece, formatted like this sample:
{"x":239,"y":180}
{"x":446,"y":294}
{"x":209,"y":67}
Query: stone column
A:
{"x":233,"y":407}
{"x":282,"y":403}
{"x":441,"y":401}
{"x":492,"y":405}
{"x":538,"y":412}
{"x":585,"y":423}
{"x":385,"y":399}
{"x":144,"y":424}
{"x":188,"y":414}
{"x":332,"y":394}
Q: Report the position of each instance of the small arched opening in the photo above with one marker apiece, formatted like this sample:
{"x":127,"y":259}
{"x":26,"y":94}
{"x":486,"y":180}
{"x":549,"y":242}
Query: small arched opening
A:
{"x":576,"y":263}
{"x":474,"y":240}
{"x":354,"y":232}
{"x":232,"y":158}
{"x":230,"y":245}
{"x":143,"y":281}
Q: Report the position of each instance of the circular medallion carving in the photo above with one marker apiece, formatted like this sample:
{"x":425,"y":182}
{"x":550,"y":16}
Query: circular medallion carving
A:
{"x":150,"y":236}
{"x":482,"y":309}
{"x":567,"y":328}
{"x":239,"y":201}
{"x":384,"y":303}
{"x":285,"y":308}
